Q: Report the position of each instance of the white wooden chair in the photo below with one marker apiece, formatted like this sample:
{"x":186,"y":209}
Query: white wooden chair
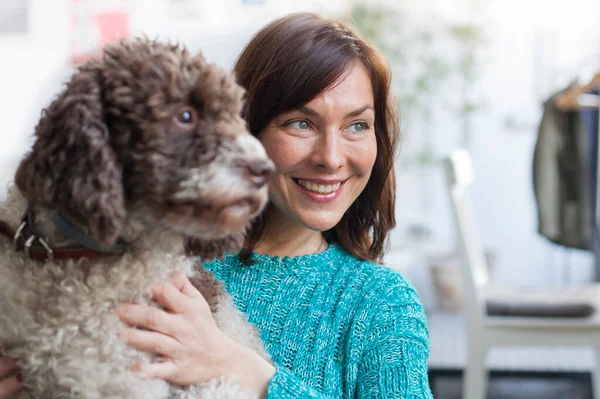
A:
{"x":529,"y":328}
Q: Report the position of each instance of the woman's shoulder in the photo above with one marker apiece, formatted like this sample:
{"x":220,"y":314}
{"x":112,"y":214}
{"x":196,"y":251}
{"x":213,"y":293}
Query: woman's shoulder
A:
{"x":377,"y":280}
{"x":382,"y":278}
{"x":391,"y":307}
{"x":391,"y":286}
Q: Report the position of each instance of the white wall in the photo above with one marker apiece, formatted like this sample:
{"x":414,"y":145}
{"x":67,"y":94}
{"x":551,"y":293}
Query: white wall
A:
{"x":30,"y":72}
{"x":535,"y":47}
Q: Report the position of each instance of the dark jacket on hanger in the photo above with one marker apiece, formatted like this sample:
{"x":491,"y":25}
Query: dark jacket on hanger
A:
{"x":590,"y":120}
{"x":561,"y":178}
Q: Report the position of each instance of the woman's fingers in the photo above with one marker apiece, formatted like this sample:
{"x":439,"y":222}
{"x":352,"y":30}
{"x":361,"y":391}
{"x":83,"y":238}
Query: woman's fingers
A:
{"x":7,"y":365}
{"x":149,"y":341}
{"x":10,"y":386}
{"x":163,"y":370}
{"x":149,"y":317}
{"x":170,"y":297}
{"x":183,"y":284}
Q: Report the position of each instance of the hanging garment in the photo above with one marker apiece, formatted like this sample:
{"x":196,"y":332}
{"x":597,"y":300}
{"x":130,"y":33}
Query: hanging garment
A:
{"x":589,"y":119}
{"x":561,"y":178}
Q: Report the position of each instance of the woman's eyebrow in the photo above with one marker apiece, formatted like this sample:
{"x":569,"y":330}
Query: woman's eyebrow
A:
{"x":312,"y":112}
{"x":308,"y":111}
{"x":361,"y":110}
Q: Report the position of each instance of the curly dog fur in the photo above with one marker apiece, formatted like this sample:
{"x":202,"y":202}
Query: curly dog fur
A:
{"x":145,"y":146}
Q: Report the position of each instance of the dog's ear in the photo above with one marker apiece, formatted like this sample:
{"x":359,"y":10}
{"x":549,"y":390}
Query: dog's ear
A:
{"x":72,"y":166}
{"x":209,"y":249}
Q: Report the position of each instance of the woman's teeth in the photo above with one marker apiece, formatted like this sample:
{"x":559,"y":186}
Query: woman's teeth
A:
{"x":319,"y":188}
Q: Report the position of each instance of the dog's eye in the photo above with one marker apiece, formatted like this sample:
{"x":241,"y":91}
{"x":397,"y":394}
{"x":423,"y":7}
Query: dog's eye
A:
{"x":186,"y":117}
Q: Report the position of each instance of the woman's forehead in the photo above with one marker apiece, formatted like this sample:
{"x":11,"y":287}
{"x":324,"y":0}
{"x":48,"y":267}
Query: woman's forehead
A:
{"x":352,"y":90}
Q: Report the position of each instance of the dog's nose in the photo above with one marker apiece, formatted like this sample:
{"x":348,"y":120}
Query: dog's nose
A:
{"x":259,"y":171}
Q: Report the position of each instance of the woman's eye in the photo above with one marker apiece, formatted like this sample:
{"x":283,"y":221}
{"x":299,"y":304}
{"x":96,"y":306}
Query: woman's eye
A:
{"x":302,"y":125}
{"x":359,"y":127}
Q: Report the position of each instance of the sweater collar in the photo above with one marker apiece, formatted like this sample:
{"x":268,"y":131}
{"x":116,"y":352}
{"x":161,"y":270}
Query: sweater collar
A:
{"x":333,"y":251}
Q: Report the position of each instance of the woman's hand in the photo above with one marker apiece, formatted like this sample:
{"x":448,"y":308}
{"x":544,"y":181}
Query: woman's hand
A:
{"x":193,"y":349}
{"x":10,"y":379}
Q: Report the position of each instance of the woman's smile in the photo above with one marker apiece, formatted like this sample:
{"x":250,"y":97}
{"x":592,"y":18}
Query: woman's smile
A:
{"x":320,"y":190}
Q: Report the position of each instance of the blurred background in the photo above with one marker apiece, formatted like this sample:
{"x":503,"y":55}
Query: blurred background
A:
{"x":470,"y":74}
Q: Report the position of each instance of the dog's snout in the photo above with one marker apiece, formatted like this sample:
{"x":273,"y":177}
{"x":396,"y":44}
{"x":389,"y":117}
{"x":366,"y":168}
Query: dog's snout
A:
{"x":259,"y":171}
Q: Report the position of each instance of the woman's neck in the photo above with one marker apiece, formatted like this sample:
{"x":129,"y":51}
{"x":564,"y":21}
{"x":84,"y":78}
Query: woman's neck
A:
{"x":289,"y":238}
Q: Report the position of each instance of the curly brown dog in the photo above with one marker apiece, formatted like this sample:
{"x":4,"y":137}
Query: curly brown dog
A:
{"x":142,"y":161}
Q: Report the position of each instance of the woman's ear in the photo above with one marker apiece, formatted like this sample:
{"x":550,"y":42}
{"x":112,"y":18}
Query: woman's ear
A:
{"x":72,"y":166}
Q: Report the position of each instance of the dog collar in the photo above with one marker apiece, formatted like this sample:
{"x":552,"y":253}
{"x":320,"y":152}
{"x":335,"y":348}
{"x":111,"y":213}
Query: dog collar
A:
{"x":26,"y":239}
{"x":72,"y":233}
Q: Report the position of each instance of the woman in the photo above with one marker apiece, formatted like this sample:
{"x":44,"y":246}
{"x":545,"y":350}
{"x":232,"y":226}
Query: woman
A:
{"x":335,"y":322}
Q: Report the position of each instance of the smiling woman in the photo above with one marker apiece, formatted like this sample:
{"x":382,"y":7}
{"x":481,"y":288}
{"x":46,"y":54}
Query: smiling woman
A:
{"x":324,"y":152}
{"x":314,"y":84}
{"x":335,"y":322}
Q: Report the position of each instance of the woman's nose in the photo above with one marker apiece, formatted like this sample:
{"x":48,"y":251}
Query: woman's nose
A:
{"x":328,"y":152}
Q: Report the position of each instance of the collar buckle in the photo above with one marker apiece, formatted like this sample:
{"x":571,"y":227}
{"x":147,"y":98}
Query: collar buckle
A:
{"x":30,"y":241}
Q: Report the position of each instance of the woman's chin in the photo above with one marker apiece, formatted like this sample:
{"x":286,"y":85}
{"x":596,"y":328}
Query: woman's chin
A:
{"x":320,"y":224}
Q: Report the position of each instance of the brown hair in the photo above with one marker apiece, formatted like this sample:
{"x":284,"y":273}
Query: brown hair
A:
{"x":287,"y":64}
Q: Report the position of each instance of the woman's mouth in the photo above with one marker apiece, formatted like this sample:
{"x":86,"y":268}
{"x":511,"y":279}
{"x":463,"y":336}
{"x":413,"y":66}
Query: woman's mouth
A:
{"x":320,"y":191}
{"x":319,"y":188}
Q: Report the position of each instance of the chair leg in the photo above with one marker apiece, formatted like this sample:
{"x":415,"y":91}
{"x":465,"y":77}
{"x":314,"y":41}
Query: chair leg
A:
{"x":475,"y":373}
{"x":596,"y":374}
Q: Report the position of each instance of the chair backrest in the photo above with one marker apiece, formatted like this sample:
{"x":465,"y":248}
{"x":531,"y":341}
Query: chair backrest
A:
{"x":475,"y":270}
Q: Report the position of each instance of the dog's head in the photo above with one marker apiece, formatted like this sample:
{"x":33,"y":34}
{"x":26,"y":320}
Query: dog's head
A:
{"x":148,"y":127}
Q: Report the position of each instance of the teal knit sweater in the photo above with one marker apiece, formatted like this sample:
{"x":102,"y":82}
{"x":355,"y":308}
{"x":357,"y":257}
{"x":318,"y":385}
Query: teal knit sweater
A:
{"x":335,"y":326}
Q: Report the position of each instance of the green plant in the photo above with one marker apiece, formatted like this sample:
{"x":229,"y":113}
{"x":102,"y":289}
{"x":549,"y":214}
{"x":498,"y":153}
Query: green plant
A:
{"x":469,"y":40}
{"x":421,"y":70}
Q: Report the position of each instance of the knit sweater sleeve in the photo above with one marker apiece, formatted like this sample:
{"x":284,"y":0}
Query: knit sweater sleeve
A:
{"x":285,"y":385}
{"x":394,"y":362}
{"x":395,"y":347}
